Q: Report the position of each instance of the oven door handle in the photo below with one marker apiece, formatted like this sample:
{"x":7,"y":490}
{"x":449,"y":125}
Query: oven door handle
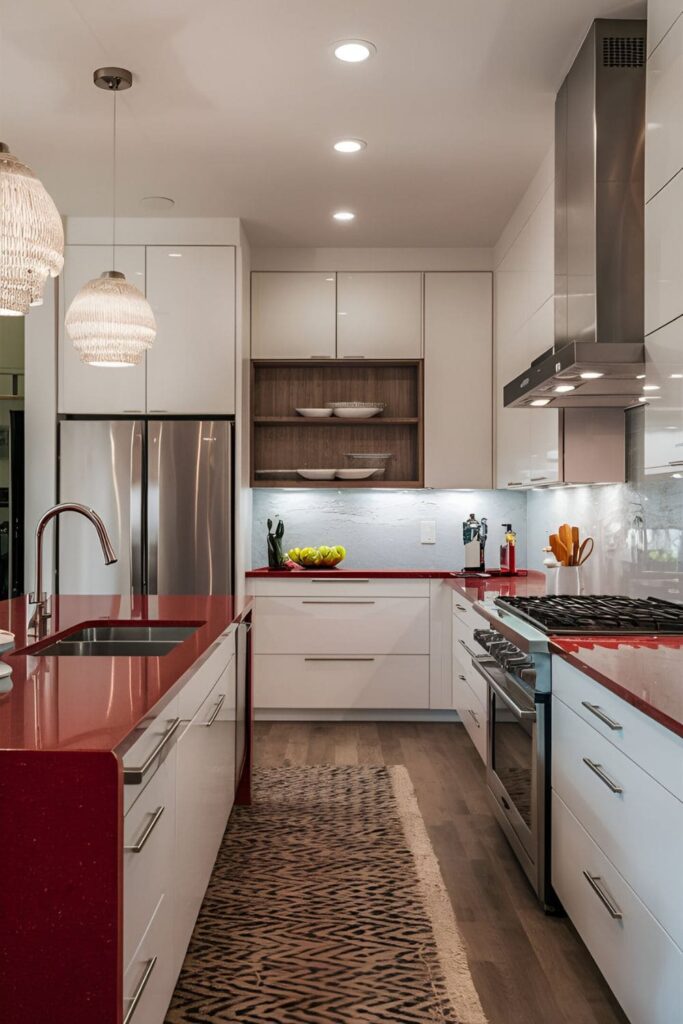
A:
{"x":526,"y":714}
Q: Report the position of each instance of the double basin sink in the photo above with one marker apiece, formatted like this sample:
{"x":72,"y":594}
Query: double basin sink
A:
{"x":149,"y":641}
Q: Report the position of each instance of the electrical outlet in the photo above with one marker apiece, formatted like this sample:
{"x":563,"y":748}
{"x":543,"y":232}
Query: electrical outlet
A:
{"x":428,"y":531}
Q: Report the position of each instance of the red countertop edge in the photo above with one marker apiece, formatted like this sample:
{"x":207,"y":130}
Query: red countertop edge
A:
{"x":636,"y":701}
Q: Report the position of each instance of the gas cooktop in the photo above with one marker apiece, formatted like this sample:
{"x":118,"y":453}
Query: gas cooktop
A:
{"x":607,"y":615}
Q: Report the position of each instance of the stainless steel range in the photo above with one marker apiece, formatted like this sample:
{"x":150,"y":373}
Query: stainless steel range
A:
{"x":517,"y":668}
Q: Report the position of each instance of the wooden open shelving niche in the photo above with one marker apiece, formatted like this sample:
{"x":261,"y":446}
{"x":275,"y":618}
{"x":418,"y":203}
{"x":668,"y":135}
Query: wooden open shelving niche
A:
{"x":281,"y":440}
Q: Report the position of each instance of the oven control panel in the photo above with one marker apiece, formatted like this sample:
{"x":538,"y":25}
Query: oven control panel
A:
{"x":507,"y":655}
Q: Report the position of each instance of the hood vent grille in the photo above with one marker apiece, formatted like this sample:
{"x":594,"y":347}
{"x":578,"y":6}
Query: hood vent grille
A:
{"x":625,"y":52}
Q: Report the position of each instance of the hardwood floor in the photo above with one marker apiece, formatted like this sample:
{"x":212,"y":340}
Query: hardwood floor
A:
{"x":528,"y":968}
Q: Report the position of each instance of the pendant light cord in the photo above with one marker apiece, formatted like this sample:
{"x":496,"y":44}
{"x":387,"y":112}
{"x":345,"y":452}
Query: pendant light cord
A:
{"x":113,"y":224}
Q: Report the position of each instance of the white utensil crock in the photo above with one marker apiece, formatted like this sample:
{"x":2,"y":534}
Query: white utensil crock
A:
{"x":565,"y":579}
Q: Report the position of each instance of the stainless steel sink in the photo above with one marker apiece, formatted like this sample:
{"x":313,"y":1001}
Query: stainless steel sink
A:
{"x":118,"y":641}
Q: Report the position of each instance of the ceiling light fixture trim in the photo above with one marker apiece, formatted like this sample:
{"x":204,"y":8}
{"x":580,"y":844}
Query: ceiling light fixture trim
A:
{"x":354,"y":51}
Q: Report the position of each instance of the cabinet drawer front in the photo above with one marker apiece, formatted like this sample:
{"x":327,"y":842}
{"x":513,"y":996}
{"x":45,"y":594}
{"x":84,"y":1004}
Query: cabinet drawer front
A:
{"x":656,"y":749}
{"x":472,"y":712}
{"x":344,"y":682}
{"x":640,"y":828}
{"x":341,"y":586}
{"x":203,"y":679}
{"x":462,"y":661}
{"x":157,"y":736}
{"x":339,"y":625}
{"x":148,"y":980}
{"x":148,"y":842}
{"x":640,"y":962}
{"x":465,"y":612}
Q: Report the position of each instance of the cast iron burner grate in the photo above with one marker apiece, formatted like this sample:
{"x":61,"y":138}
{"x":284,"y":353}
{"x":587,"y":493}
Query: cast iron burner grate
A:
{"x":608,"y":615}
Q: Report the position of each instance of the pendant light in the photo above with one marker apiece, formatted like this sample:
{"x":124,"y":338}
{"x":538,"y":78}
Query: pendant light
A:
{"x":31,"y":236}
{"x":110,"y":321}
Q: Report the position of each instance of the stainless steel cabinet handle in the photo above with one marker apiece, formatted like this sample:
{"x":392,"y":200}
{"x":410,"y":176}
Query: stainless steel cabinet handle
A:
{"x":347,"y":580}
{"x":137,"y":995}
{"x":151,"y":825}
{"x":461,"y":676}
{"x":334,"y":658}
{"x":460,"y":608}
{"x":471,"y":653}
{"x":612,"y":908}
{"x":153,"y":411}
{"x":676,"y":462}
{"x":596,"y":710}
{"x":537,"y":479}
{"x":474,"y":716}
{"x":320,"y":357}
{"x":134,"y":776}
{"x":344,"y":601}
{"x":514,"y":483}
{"x":527,"y":714}
{"x":353,"y":357}
{"x":216,"y":711}
{"x":602,"y":775}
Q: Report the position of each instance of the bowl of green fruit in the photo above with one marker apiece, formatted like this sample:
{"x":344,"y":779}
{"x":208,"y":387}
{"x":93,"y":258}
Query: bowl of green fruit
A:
{"x":318,"y":558}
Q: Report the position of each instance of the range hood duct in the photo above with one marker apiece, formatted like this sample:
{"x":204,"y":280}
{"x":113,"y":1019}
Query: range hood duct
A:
{"x":599,"y":230}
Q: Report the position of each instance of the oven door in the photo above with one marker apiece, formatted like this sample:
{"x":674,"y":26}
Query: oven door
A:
{"x":512,"y":768}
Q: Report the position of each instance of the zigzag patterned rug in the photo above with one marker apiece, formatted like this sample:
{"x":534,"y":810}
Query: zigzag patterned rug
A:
{"x":327,"y":906}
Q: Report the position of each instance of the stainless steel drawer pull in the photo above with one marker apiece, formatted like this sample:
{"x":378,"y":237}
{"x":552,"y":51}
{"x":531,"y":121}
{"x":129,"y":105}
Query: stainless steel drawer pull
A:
{"x":334,"y":658}
{"x":467,"y":649}
{"x":602,"y":775}
{"x":334,"y":582}
{"x":474,"y":716}
{"x":344,"y":601}
{"x":320,"y":357}
{"x":460,"y":608}
{"x":151,"y":825}
{"x":596,"y":710}
{"x":135,"y":775}
{"x":137,"y":995}
{"x":612,"y":908}
{"x":216,"y":711}
{"x":461,"y":676}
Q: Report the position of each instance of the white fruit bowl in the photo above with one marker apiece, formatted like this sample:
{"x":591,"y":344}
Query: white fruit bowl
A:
{"x":317,"y":474}
{"x":355,"y":413}
{"x":355,"y":474}
{"x":314,"y":413}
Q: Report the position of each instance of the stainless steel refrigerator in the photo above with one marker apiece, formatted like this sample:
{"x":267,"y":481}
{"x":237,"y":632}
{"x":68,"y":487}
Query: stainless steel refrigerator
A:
{"x":164,"y":488}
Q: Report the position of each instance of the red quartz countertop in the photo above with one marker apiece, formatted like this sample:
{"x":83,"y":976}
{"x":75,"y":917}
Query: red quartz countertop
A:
{"x":647,"y":672}
{"x":94,"y":703}
{"x":533,"y":584}
{"x":371,"y":574}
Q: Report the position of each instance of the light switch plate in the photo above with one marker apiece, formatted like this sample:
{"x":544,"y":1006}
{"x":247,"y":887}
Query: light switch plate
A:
{"x":428,"y":531}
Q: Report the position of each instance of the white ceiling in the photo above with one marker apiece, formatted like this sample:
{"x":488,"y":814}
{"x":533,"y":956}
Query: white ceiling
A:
{"x":236,"y":104}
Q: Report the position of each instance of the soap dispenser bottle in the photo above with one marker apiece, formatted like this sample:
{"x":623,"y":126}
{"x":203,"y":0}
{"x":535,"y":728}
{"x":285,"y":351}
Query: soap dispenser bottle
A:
{"x":507,"y":550}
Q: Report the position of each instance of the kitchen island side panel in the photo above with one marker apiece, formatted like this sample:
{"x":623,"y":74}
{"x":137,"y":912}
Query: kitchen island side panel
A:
{"x":60,"y":897}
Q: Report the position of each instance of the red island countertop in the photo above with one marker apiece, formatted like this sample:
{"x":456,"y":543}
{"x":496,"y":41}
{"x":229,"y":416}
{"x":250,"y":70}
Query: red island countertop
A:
{"x":372,"y":574}
{"x":647,"y":672}
{"x":93,"y":704}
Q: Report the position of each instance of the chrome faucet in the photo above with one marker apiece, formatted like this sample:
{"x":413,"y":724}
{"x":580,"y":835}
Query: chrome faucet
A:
{"x":37,"y":625}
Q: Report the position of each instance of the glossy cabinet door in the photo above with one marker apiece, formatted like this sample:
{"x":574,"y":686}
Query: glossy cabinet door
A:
{"x":664,"y":122}
{"x":379,"y":315}
{"x":88,"y":389}
{"x":664,"y":412}
{"x":458,"y":366}
{"x":191,"y":367}
{"x":204,"y":797}
{"x":293,"y":315}
{"x":664,"y":256}
{"x":661,"y":14}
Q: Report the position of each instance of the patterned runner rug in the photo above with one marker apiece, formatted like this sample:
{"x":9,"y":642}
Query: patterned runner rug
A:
{"x":327,"y":906}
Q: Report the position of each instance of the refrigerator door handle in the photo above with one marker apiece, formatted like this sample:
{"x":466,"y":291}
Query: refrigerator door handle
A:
{"x":136,"y":575}
{"x":154,"y":441}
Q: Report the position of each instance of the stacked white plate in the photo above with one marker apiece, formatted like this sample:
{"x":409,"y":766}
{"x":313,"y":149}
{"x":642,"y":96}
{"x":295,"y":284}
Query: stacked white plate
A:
{"x":355,"y":410}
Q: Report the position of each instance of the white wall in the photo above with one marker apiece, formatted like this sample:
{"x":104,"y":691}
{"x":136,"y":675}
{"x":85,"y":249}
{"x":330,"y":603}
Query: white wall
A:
{"x":372,"y":259}
{"x":242,"y":553}
{"x":526,"y":440}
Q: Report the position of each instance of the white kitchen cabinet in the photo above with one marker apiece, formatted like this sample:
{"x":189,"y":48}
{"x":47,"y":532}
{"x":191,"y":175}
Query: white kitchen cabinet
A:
{"x":148,"y":980}
{"x":641,"y":963}
{"x":379,"y":315}
{"x":204,"y":797}
{"x":458,"y":352}
{"x":293,"y":315}
{"x":664,"y":414}
{"x":664,"y":131}
{"x":661,"y":14}
{"x":664,"y":256}
{"x":191,"y":366}
{"x":89,"y":389}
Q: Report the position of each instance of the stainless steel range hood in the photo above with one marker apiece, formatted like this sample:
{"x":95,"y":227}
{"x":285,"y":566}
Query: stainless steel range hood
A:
{"x":598,"y":351}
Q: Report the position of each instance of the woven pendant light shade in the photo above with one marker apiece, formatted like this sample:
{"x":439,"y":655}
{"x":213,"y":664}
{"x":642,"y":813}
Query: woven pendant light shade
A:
{"x":110,"y":322}
{"x":31,"y":236}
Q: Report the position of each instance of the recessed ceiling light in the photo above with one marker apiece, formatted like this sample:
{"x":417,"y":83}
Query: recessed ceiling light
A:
{"x":651,"y":387}
{"x":175,"y":255}
{"x":672,"y":427}
{"x":350,"y":145}
{"x":540,"y":401}
{"x":157,"y":203}
{"x":676,"y":376}
{"x":640,"y":376}
{"x":344,"y":215}
{"x":591,"y":375}
{"x":562,"y":389}
{"x":354,"y":51}
{"x":642,"y":398}
{"x":677,"y":476}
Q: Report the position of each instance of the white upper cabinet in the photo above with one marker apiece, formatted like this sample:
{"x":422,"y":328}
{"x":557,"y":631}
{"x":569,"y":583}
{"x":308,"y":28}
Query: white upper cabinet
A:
{"x":661,"y":14}
{"x":191,"y":366}
{"x":94,"y":389}
{"x":379,"y":315}
{"x":664,"y":135}
{"x":664,"y":256}
{"x":458,"y":367}
{"x":664,"y":414}
{"x":293,"y":315}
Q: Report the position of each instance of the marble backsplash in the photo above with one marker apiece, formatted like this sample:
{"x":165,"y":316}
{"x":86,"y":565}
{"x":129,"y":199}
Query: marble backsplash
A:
{"x":380,"y":529}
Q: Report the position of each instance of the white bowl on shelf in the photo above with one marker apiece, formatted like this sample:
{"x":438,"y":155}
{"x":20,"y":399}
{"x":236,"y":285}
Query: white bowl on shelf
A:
{"x":317,"y":474}
{"x":314,"y":413}
{"x":355,"y":474}
{"x":355,"y":412}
